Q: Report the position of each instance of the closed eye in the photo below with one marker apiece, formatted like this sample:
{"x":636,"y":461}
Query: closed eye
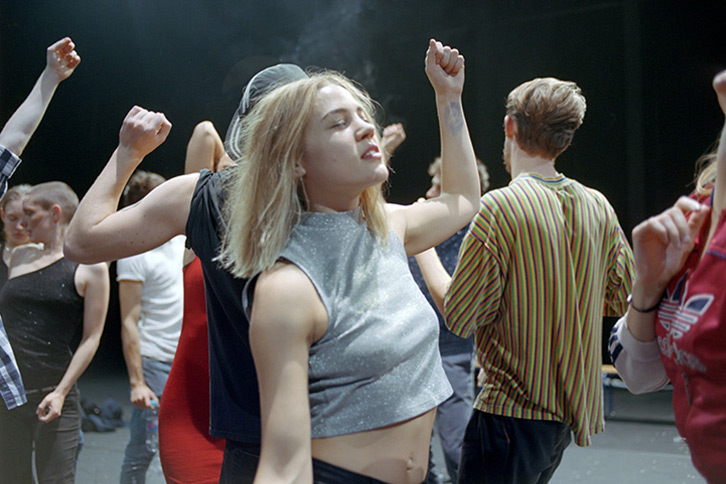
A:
{"x":339,"y":124}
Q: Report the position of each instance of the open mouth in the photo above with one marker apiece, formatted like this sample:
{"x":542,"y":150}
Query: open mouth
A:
{"x":372,"y":152}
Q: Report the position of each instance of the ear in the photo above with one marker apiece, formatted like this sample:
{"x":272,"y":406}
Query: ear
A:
{"x":510,"y":127}
{"x":57,"y":212}
{"x":299,"y":171}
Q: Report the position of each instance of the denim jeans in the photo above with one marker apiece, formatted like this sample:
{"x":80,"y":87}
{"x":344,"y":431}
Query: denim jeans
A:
{"x":453,"y":415}
{"x":137,"y":457}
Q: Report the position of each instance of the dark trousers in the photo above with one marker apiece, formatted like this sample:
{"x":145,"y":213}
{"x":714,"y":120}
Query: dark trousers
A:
{"x":502,"y":450}
{"x":241,"y":459}
{"x":239,"y":463}
{"x":324,"y":473}
{"x":55,"y":442}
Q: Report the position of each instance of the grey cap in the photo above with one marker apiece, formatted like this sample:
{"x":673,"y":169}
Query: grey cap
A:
{"x":262,"y":82}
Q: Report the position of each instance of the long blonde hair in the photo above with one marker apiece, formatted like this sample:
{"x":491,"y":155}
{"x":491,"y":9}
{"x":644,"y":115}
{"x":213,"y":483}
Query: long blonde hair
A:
{"x":706,"y":170}
{"x":264,"y":199}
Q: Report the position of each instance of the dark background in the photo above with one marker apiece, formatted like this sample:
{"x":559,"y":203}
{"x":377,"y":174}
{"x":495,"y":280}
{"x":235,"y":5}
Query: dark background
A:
{"x":644,"y":66}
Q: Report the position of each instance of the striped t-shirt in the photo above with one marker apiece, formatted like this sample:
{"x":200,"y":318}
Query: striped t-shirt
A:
{"x":543,"y":261}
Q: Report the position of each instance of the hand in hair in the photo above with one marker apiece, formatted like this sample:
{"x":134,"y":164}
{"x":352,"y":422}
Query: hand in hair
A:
{"x":142,"y":132}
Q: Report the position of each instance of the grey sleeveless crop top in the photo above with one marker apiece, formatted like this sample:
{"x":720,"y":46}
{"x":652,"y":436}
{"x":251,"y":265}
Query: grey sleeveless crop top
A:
{"x":378,"y":362}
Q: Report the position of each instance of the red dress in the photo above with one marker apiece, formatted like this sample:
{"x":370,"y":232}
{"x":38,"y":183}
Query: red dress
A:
{"x":187,"y":452}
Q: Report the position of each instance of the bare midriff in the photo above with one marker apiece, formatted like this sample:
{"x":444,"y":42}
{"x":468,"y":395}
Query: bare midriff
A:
{"x":398,"y":453}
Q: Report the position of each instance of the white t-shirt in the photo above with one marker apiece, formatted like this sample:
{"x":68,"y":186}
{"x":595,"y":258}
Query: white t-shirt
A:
{"x":162,"y":296}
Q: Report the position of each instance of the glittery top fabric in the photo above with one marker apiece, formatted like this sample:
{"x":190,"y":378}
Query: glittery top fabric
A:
{"x":43,"y":316}
{"x":378,"y":362}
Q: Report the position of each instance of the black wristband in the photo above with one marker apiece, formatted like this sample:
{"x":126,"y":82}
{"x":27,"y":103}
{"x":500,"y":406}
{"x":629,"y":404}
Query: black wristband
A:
{"x":649,"y":310}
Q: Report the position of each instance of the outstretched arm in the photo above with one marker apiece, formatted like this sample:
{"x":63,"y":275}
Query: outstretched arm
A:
{"x":431,"y":222}
{"x":98,"y":232}
{"x":61,"y":61}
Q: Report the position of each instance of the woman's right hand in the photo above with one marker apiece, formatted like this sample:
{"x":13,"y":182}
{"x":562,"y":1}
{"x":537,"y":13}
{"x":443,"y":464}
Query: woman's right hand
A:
{"x":661,"y":245}
{"x":142,"y":132}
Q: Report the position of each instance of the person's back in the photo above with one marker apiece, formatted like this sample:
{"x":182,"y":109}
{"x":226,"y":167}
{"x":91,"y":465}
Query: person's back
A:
{"x":553,"y":262}
{"x":235,"y":406}
{"x":544,"y":259}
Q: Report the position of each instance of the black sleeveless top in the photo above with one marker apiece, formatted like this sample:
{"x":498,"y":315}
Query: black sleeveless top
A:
{"x":43,"y":317}
{"x":234,"y":398}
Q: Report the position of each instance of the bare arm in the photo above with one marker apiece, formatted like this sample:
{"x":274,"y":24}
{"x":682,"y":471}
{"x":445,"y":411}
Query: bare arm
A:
{"x":423,"y":225}
{"x":98,"y":232}
{"x":435,"y":276}
{"x":93,"y":284}
{"x":61,"y":61}
{"x":129,"y":296}
{"x":205,"y":150}
{"x":283,"y":323}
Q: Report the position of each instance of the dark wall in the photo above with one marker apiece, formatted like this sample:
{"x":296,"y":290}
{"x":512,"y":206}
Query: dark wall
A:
{"x":644,"y":66}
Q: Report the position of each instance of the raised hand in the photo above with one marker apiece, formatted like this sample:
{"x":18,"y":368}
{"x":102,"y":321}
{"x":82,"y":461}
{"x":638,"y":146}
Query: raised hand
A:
{"x":142,"y":132}
{"x":62,"y":59}
{"x":444,"y":68}
{"x":393,"y":136}
{"x":661,"y":245}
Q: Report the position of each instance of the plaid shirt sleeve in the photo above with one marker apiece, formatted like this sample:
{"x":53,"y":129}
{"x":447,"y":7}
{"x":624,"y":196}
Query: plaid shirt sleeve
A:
{"x":11,"y":384}
{"x":9,"y":162}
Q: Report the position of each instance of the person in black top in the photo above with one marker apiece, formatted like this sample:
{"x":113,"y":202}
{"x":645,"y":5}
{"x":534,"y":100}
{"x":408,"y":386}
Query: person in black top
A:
{"x":54,"y":312}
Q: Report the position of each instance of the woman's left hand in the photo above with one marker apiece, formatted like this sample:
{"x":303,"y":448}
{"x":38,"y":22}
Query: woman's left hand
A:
{"x":445,"y":68}
{"x":50,"y":408}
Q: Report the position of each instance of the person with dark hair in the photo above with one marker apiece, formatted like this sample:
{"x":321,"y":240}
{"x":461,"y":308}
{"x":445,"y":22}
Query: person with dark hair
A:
{"x":61,"y":61}
{"x":54,"y":312}
{"x":543,"y":260}
{"x":151,"y":302}
{"x":140,"y":184}
{"x":189,"y":204}
{"x":675,"y":327}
